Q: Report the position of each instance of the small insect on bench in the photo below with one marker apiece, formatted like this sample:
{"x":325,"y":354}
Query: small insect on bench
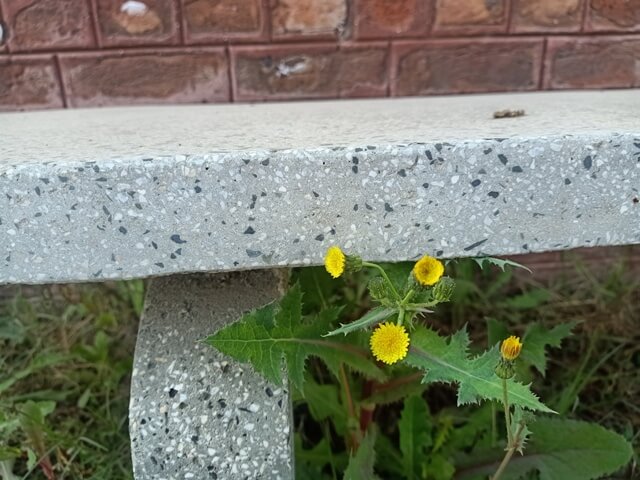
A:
{"x":215,"y":203}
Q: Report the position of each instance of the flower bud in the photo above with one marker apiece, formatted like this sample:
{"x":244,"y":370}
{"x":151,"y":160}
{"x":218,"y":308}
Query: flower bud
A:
{"x":505,"y":369}
{"x":510,"y":348}
{"x":353,"y":263}
{"x":377,"y":288}
{"x":444,"y":289}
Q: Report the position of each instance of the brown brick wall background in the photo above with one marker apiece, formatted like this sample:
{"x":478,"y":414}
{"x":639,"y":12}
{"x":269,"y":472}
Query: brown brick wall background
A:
{"x":82,"y":53}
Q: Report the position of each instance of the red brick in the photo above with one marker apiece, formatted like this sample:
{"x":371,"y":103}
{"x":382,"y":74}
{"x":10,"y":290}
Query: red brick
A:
{"x":391,"y":18}
{"x":593,"y":62}
{"x":223,"y":20}
{"x":137,"y":22}
{"x":467,"y":17}
{"x":547,"y":15}
{"x":310,"y":71}
{"x":614,"y":15}
{"x":160,"y":76}
{"x":28,"y":83}
{"x":465,"y":66}
{"x":48,"y":24}
{"x":308,"y":18}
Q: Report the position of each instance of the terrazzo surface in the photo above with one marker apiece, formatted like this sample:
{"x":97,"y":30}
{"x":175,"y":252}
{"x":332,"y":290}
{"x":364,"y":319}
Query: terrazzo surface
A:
{"x":195,"y":413}
{"x":219,"y":203}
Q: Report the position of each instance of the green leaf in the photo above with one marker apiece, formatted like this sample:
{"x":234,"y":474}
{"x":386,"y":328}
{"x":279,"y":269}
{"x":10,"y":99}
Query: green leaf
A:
{"x":438,"y":468}
{"x":520,"y":421}
{"x":11,"y":329}
{"x":32,"y":415}
{"x":398,"y":273}
{"x":400,"y":386}
{"x":449,"y":362}
{"x":537,"y":338}
{"x":559,"y":449}
{"x":8,"y":453}
{"x":415,"y":435}
{"x":32,"y":459}
{"x":388,"y":458}
{"x":324,"y":404}
{"x":266,"y":336}
{"x":361,"y":464}
{"x":310,"y":462}
{"x":360,"y":361}
{"x":372,"y":317}
{"x":496,"y":331}
{"x":41,"y":361}
{"x":84,"y":398}
{"x":317,"y":287}
{"x":528,"y":300}
{"x":498,"y":262}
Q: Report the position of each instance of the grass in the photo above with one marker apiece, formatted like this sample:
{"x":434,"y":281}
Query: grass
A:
{"x":65,"y":358}
{"x":66,"y":355}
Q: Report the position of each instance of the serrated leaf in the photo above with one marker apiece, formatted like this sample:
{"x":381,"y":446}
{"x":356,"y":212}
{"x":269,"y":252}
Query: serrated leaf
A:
{"x":267,"y":336}
{"x":537,"y":338}
{"x":318,"y":288}
{"x":559,"y":449}
{"x":395,"y":390}
{"x":520,"y":421}
{"x":361,"y":464}
{"x":357,"y":342}
{"x":388,"y":458}
{"x":473,"y":431}
{"x":312,"y":461}
{"x":372,"y":317}
{"x":32,"y":415}
{"x":324,"y":403}
{"x":415,"y":435}
{"x":498,"y":262}
{"x":449,"y":362}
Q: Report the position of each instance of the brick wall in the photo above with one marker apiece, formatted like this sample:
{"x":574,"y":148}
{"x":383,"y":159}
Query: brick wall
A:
{"x":82,"y":53}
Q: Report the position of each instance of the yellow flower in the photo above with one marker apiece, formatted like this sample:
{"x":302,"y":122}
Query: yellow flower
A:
{"x":428,"y":270}
{"x":334,"y":261}
{"x":510,"y":348}
{"x":389,"y":343}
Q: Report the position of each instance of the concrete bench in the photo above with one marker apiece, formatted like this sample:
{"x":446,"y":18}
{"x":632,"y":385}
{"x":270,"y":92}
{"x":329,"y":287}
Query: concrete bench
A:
{"x":239,"y":193}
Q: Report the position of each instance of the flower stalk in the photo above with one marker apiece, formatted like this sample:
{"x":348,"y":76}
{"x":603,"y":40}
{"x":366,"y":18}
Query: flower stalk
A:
{"x":509,"y":350}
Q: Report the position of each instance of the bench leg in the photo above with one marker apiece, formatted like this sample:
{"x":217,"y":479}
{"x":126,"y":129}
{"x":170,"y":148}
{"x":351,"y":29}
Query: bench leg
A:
{"x":195,"y":413}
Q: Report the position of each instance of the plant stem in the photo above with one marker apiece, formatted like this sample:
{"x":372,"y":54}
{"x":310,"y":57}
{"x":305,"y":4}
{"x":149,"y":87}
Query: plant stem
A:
{"x":425,"y":305}
{"x":366,"y":408}
{"x":407,"y":297}
{"x":507,"y":412}
{"x":400,"y":317}
{"x":397,"y":382}
{"x":511,"y":449}
{"x":504,"y":463}
{"x":384,"y":275}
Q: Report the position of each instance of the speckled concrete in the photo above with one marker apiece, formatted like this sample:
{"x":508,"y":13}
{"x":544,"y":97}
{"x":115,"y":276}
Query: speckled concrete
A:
{"x":95,"y":195}
{"x":195,"y":413}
